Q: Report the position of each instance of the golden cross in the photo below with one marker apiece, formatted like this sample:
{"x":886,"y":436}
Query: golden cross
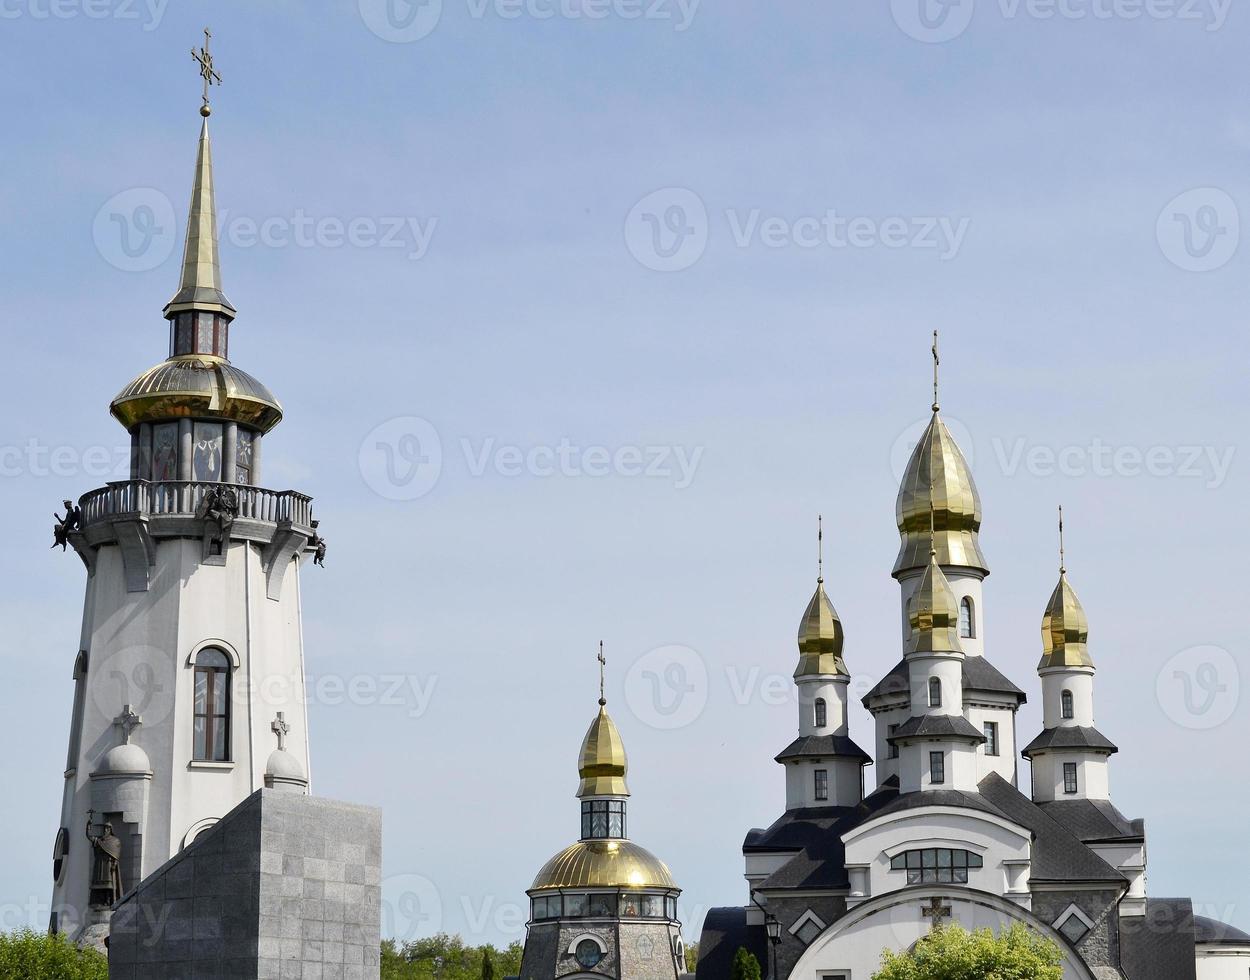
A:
{"x":820,"y":548}
{"x":603,"y":663}
{"x":207,"y":72}
{"x":1061,"y":568}
{"x":936,"y":361}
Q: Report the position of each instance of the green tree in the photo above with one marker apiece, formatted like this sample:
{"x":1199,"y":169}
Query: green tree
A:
{"x":953,"y":953}
{"x":28,"y":955}
{"x":745,"y":965}
{"x":488,"y":965}
{"x":446,"y":957}
{"x":692,"y":957}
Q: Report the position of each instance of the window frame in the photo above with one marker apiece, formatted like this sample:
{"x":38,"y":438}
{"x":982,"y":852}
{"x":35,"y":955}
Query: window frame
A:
{"x":968,"y":628}
{"x":820,"y":711}
{"x":213,"y":718}
{"x":937,"y":768}
{"x":937,"y":865}
{"x":889,"y":734}
{"x":990,"y":730}
{"x":1071,"y":779}
{"x":820,"y":784}
{"x":613,"y":816}
{"x":935,"y":692}
{"x":1067,"y":705}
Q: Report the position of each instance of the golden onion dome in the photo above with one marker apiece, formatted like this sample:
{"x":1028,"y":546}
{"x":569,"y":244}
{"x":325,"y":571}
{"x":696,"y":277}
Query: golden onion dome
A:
{"x":602,"y":763}
{"x":604,"y":864}
{"x":196,"y":386}
{"x":937,"y":481}
{"x":1065,"y":630}
{"x":820,"y":637}
{"x":933,"y":613}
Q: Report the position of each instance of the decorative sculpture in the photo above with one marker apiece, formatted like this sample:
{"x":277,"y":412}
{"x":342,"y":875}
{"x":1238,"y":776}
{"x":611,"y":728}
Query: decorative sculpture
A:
{"x":72,"y":521}
{"x":318,"y":543}
{"x":106,"y":873}
{"x":218,"y":507}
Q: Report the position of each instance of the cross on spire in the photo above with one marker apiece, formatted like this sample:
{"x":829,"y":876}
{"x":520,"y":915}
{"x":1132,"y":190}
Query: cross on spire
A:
{"x":603,"y":663}
{"x":936,"y":911}
{"x":281,"y":729}
{"x":820,"y":548}
{"x":127,"y":721}
{"x":936,"y":361}
{"x":207,"y":72}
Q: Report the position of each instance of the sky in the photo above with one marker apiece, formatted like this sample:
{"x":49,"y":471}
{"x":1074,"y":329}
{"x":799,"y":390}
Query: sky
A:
{"x":581,"y":311}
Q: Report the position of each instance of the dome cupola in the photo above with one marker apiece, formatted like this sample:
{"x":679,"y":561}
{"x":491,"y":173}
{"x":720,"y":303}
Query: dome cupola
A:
{"x":820,"y":632}
{"x":602,"y":762}
{"x":1065,"y":628}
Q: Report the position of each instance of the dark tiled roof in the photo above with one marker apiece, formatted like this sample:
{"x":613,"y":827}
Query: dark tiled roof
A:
{"x":1075,"y":737}
{"x":1160,"y":944}
{"x":725,"y":931}
{"x":1094,"y":820}
{"x":937,"y":726}
{"x":1057,"y":854}
{"x":1214,"y":931}
{"x":824,"y":745}
{"x":940,"y":797}
{"x":979,"y":675}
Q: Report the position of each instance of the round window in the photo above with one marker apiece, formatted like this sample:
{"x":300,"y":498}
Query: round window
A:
{"x":589,"y":955}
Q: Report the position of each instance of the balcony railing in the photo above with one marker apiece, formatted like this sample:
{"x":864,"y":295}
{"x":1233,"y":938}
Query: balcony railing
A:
{"x":184,"y":498}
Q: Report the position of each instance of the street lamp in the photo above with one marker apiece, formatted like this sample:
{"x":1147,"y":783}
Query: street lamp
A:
{"x":773,"y":926}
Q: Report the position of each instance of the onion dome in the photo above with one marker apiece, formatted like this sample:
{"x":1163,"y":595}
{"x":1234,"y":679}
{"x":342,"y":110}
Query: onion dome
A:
{"x":937,"y":480}
{"x":604,"y":864}
{"x":196,"y":387}
{"x":820,"y":637}
{"x":602,"y":763}
{"x":1065,"y":629}
{"x":933,"y":613}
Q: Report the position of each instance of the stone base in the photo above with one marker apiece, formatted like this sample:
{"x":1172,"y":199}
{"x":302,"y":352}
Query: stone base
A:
{"x":284,"y":886}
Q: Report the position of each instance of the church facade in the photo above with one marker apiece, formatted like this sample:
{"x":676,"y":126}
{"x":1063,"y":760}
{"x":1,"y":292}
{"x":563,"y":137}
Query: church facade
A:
{"x":949,"y":833}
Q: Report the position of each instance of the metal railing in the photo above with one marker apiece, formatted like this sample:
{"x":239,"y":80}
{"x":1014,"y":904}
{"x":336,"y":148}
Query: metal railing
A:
{"x":184,"y":498}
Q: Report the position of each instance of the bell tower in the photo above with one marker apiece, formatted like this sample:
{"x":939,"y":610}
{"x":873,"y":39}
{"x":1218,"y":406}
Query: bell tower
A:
{"x":190,"y":655}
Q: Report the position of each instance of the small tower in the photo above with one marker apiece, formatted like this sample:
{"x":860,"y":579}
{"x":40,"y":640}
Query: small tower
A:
{"x":192,"y":611}
{"x":824,"y":767}
{"x":1070,"y":758}
{"x":603,"y":907}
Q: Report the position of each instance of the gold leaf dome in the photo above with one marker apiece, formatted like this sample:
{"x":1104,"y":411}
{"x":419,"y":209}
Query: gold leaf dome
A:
{"x":937,"y":481}
{"x":602,"y":763}
{"x":604,"y":864}
{"x":196,"y":386}
{"x":1065,"y":630}
{"x":933,"y":613}
{"x":820,"y":637}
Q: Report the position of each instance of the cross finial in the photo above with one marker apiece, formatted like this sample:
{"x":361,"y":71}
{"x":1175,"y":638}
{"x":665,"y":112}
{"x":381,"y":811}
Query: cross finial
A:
{"x":1062,"y":570}
{"x":936,"y":911}
{"x":127,"y":721}
{"x":936,"y":361}
{"x":603,"y":663}
{"x":207,"y":72}
{"x":281,"y":729}
{"x":820,"y":548}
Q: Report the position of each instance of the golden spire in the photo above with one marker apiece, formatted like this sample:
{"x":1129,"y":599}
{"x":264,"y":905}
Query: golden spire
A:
{"x":933,"y":611}
{"x":937,"y":479}
{"x":602,"y":762}
{"x":199,"y":287}
{"x":820,"y":629}
{"x":1065,"y":628}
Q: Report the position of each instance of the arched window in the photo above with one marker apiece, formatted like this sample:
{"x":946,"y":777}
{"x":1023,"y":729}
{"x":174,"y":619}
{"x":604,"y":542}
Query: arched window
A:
{"x":1069,"y":711}
{"x":211,"y":742}
{"x":822,"y":713}
{"x":935,"y":692}
{"x":967,"y":623}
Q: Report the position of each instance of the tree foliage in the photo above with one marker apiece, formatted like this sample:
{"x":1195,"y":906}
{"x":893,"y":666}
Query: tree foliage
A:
{"x":692,"y":957}
{"x":37,"y":956}
{"x":445,"y":957}
{"x":953,"y":953}
{"x":745,"y":965}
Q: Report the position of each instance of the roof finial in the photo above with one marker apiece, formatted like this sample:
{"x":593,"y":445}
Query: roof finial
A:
{"x":820,"y":548}
{"x":603,"y":663}
{"x":936,"y":361}
{"x":1062,"y":570}
{"x":207,"y":72}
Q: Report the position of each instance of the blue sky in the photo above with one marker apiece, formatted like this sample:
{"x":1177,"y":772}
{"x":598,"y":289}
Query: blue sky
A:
{"x":594,"y":292}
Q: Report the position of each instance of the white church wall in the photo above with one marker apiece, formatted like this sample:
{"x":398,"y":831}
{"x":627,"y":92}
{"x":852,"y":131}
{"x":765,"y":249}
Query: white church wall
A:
{"x":948,"y":670}
{"x":1081,"y":684}
{"x":834,"y":692}
{"x":1222,"y":962}
{"x":963,"y":584}
{"x":1004,"y":763}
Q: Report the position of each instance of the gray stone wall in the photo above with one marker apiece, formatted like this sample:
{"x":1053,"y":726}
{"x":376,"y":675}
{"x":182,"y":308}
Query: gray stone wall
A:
{"x":284,"y":887}
{"x":635,"y":950}
{"x":1101,"y":946}
{"x":830,"y":908}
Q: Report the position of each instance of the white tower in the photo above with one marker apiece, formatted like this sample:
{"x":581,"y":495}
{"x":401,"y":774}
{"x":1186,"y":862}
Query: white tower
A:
{"x":191,"y":653}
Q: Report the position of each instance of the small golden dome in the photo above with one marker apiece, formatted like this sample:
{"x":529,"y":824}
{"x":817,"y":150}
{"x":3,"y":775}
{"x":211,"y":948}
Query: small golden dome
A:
{"x":602,"y":763}
{"x":933,"y":613}
{"x":937,"y":480}
{"x":820,"y":637}
{"x":1065,"y":629}
{"x":196,"y":386}
{"x":604,"y":864}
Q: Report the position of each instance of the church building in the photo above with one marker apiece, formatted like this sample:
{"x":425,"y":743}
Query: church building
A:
{"x":950,"y":833}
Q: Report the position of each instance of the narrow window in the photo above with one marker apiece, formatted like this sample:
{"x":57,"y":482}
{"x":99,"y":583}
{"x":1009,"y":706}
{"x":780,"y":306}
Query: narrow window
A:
{"x":212,"y":706}
{"x":1069,"y":778}
{"x":822,"y":713}
{"x":967,"y":627}
{"x":822,"y":784}
{"x":1069,"y":710}
{"x":991,"y":737}
{"x":935,"y":692}
{"x":937,"y":768}
{"x":893,"y":754}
